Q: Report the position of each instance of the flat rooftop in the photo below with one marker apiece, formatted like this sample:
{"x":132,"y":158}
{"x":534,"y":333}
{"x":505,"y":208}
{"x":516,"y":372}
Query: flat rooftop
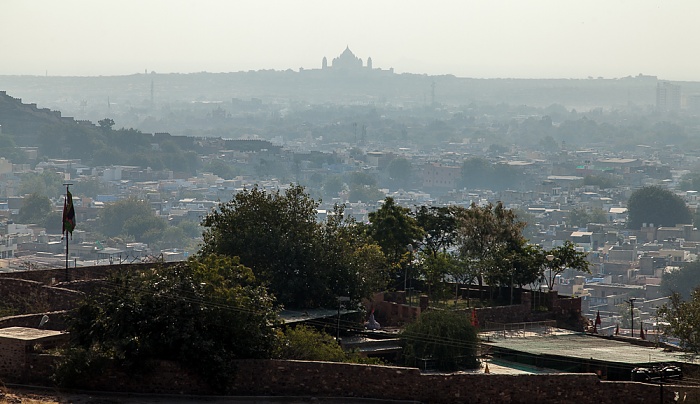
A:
{"x":27,"y":334}
{"x":296,"y":316}
{"x":589,"y":347}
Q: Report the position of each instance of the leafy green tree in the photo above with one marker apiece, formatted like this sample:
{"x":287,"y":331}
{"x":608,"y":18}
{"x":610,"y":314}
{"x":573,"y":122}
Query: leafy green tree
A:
{"x":332,"y":186}
{"x":478,"y":172}
{"x":360,"y":178}
{"x":129,"y":217}
{"x":202,"y":314}
{"x":306,"y":264}
{"x":658,"y":206}
{"x":275,"y":235}
{"x":221,"y":169}
{"x":400,"y":171}
{"x":564,"y":257}
{"x":190,"y":228}
{"x":46,"y":183}
{"x":440,"y":226}
{"x":434,"y":270}
{"x":35,"y":208}
{"x":106,"y":124}
{"x":683,"y":318}
{"x":9,"y":150}
{"x":367,"y":193}
{"x":683,"y":281}
{"x":531,"y":230}
{"x":446,"y":337}
{"x":487,"y":235}
{"x":394,"y":228}
{"x":140,"y":226}
{"x":601,"y":181}
{"x":53,"y":222}
{"x":353,"y":263}
{"x":690,"y":182}
{"x":88,"y":186}
{"x":580,"y":217}
{"x":598,"y":215}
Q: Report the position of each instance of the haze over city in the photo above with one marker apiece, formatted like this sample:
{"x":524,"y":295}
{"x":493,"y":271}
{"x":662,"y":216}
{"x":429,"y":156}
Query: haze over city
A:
{"x":508,"y":38}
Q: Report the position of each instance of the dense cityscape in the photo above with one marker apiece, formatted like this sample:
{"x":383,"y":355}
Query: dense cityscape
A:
{"x":606,"y":168}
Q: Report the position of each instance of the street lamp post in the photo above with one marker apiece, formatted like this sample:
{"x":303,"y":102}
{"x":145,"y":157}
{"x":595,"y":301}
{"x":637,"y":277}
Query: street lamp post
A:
{"x":409,"y":247}
{"x":550,"y":258}
{"x":631,"y":302}
{"x":341,"y":299}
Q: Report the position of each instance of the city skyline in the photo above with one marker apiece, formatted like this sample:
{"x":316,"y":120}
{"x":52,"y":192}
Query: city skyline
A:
{"x":500,"y":39}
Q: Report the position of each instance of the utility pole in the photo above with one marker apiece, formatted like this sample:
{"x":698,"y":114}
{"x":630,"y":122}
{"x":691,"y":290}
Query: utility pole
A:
{"x":631,"y":302}
{"x":341,"y":299}
{"x":68,"y":219}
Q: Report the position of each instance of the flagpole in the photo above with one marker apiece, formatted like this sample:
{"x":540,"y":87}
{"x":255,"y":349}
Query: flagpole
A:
{"x":65,"y":232}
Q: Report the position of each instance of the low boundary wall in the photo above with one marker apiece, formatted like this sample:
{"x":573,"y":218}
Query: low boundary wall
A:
{"x":325,"y":379}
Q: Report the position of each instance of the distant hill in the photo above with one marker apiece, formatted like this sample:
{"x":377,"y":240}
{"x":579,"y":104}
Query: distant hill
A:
{"x":58,"y":136}
{"x":319,"y":86}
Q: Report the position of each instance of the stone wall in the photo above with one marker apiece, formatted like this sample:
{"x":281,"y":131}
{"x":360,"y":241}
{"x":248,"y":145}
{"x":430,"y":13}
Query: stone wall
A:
{"x":17,"y":358}
{"x":53,"y":276}
{"x":26,"y":296}
{"x":324,"y":379}
{"x":57,"y":320}
{"x":12,"y":359}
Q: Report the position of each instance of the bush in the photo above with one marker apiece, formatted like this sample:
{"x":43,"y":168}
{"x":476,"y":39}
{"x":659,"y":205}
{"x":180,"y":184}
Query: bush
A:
{"x":447,"y":338}
{"x":305,"y":343}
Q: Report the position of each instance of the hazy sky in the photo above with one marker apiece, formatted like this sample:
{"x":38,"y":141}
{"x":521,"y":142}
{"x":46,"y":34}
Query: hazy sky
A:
{"x":486,"y":38}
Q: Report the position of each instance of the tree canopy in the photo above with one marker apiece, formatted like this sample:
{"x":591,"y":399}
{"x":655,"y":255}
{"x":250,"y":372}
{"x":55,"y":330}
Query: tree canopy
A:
{"x":683,"y":318}
{"x":657,"y":206}
{"x":486,"y":236}
{"x":200,"y":313}
{"x":394,"y":228}
{"x":305,"y":263}
{"x":563,"y":257}
{"x":131,"y":217}
{"x":683,"y":281}
{"x":35,"y":208}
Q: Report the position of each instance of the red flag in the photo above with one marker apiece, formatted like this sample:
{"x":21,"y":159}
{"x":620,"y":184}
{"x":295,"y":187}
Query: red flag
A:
{"x":597,"y":318}
{"x":641,"y":331}
{"x":68,"y":214}
{"x":617,"y":330}
{"x":475,"y":319}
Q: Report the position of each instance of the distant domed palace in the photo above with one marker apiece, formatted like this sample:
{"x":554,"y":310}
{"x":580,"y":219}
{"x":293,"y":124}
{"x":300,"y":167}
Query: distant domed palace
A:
{"x":347,"y":61}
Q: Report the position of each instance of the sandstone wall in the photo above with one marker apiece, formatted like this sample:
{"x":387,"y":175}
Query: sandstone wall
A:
{"x":27,"y":296}
{"x":323,"y":379}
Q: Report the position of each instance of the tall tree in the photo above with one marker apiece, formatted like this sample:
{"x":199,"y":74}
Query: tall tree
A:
{"x":487,"y":235}
{"x":46,"y":183}
{"x":353,"y":262}
{"x":564,"y":257}
{"x":275,"y":234}
{"x":658,"y":206}
{"x":131,"y":217}
{"x":683,"y":281}
{"x":439,"y":225}
{"x":35,"y":208}
{"x":306,"y":264}
{"x":400,"y":172}
{"x":394,"y":229}
{"x":683,"y":318}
